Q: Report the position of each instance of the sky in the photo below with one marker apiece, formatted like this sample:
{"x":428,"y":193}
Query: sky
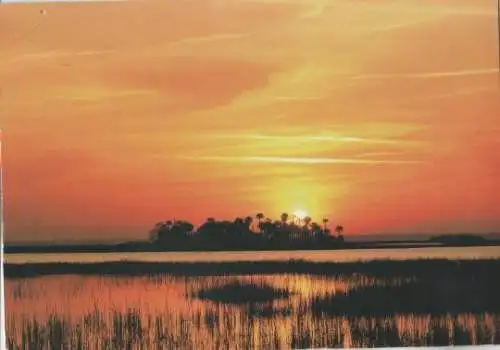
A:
{"x":381,"y":115}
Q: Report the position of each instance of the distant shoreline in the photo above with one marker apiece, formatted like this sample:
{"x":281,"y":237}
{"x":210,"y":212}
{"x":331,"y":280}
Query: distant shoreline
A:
{"x":382,"y":268}
{"x":146,"y":247}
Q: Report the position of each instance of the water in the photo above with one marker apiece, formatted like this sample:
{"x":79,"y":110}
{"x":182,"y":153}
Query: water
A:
{"x":398,"y":307}
{"x":316,"y":255}
{"x":162,"y":312}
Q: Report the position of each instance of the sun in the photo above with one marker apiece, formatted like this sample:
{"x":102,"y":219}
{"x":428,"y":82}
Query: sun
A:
{"x":300,"y":214}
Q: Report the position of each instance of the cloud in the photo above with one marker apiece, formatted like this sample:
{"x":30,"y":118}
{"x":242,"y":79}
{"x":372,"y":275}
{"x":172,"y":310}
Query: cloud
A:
{"x":317,"y":9}
{"x":396,"y":26}
{"x":192,"y":82}
{"x":429,"y":75}
{"x":100,"y":93}
{"x":310,"y":138}
{"x":294,"y":160}
{"x":305,"y":81}
{"x":50,"y":55}
{"x":464,"y":92}
{"x":210,"y":38}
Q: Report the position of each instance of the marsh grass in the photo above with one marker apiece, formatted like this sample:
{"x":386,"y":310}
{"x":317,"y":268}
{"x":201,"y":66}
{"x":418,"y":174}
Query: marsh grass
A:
{"x":416,"y":303}
{"x":215,"y":331}
{"x":412,"y":298}
{"x":378,"y":268}
{"x":450,"y":292}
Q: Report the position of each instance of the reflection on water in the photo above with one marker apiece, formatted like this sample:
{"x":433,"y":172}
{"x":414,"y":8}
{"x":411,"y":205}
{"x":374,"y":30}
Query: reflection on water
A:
{"x":100,"y":312}
{"x":349,"y":255}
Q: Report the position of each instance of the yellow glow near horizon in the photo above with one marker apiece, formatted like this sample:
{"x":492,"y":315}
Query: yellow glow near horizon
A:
{"x":300,"y":214}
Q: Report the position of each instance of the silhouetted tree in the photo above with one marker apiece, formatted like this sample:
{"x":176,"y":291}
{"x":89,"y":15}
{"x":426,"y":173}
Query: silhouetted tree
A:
{"x":259,"y":217}
{"x":174,"y":233}
{"x":239,"y":233}
{"x":212,"y":232}
{"x":239,"y":221}
{"x":284,"y":218}
{"x":316,"y":230}
{"x":153,"y":233}
{"x":248,"y":221}
{"x":307,"y":220}
{"x":325,"y":221}
{"x":267,"y":228}
{"x":339,"y":230}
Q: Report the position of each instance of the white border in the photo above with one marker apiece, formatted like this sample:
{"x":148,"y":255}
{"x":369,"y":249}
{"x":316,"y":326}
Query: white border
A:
{"x":3,"y":329}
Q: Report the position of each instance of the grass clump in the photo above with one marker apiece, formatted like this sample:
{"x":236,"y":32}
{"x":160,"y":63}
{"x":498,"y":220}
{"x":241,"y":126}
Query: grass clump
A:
{"x":238,"y":292}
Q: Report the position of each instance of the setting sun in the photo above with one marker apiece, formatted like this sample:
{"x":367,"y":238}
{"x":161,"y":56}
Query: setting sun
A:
{"x":300,"y":214}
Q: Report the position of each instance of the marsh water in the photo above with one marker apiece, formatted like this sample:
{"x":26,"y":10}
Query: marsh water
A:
{"x":311,"y":255}
{"x":165,"y":311}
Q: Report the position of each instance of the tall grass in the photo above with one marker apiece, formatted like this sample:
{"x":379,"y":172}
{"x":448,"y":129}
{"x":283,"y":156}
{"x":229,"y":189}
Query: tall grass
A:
{"x":420,"y":297}
{"x":419,"y":303}
{"x":132,"y":330}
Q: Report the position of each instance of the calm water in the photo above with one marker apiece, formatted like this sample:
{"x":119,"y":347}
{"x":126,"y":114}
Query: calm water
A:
{"x":318,"y":255}
{"x":74,"y":312}
{"x":163,"y":312}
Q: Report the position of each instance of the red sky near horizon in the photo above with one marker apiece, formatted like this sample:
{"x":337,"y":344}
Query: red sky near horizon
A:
{"x":382,"y":115}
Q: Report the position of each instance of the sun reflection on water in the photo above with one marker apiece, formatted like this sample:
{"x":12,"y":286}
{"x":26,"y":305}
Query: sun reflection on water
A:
{"x":146,"y":311}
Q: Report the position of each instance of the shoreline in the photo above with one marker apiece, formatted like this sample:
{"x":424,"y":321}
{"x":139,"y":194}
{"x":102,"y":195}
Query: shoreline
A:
{"x":142,"y":247}
{"x":387,"y":268}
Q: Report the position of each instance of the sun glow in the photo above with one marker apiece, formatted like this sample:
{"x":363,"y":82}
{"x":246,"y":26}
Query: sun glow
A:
{"x":300,"y":214}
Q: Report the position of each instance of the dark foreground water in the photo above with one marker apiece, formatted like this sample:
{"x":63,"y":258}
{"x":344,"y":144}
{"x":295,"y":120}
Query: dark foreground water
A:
{"x":447,"y":306}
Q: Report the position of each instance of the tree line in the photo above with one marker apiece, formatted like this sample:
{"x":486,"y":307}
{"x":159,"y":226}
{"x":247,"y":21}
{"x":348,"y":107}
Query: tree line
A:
{"x":259,"y":232}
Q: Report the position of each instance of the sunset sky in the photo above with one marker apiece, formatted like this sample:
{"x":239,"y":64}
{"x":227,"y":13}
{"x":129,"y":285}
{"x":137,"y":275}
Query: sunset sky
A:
{"x":382,"y":115}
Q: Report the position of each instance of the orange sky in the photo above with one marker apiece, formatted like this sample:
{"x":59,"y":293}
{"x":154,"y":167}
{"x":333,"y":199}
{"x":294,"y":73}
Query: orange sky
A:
{"x":382,"y":115}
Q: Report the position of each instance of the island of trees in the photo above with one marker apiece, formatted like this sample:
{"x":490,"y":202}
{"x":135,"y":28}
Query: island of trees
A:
{"x":251,"y":232}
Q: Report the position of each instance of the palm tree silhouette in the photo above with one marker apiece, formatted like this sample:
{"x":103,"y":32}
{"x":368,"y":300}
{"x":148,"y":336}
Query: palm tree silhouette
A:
{"x":248,"y":221}
{"x":339,"y":229}
{"x":284,"y":218}
{"x":315,"y":228}
{"x":240,"y":232}
{"x":259,"y":217}
{"x":325,"y":221}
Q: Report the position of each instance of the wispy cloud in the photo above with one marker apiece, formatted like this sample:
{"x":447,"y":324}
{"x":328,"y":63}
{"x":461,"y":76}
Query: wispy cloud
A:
{"x":211,"y":38}
{"x":317,"y":9}
{"x":399,"y":25}
{"x":465,"y":92}
{"x":311,"y":138}
{"x":444,"y":74}
{"x":293,"y":160}
{"x":50,"y":55}
{"x":378,"y":154}
{"x":417,"y":7}
{"x":98,"y":94}
{"x":295,"y":98}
